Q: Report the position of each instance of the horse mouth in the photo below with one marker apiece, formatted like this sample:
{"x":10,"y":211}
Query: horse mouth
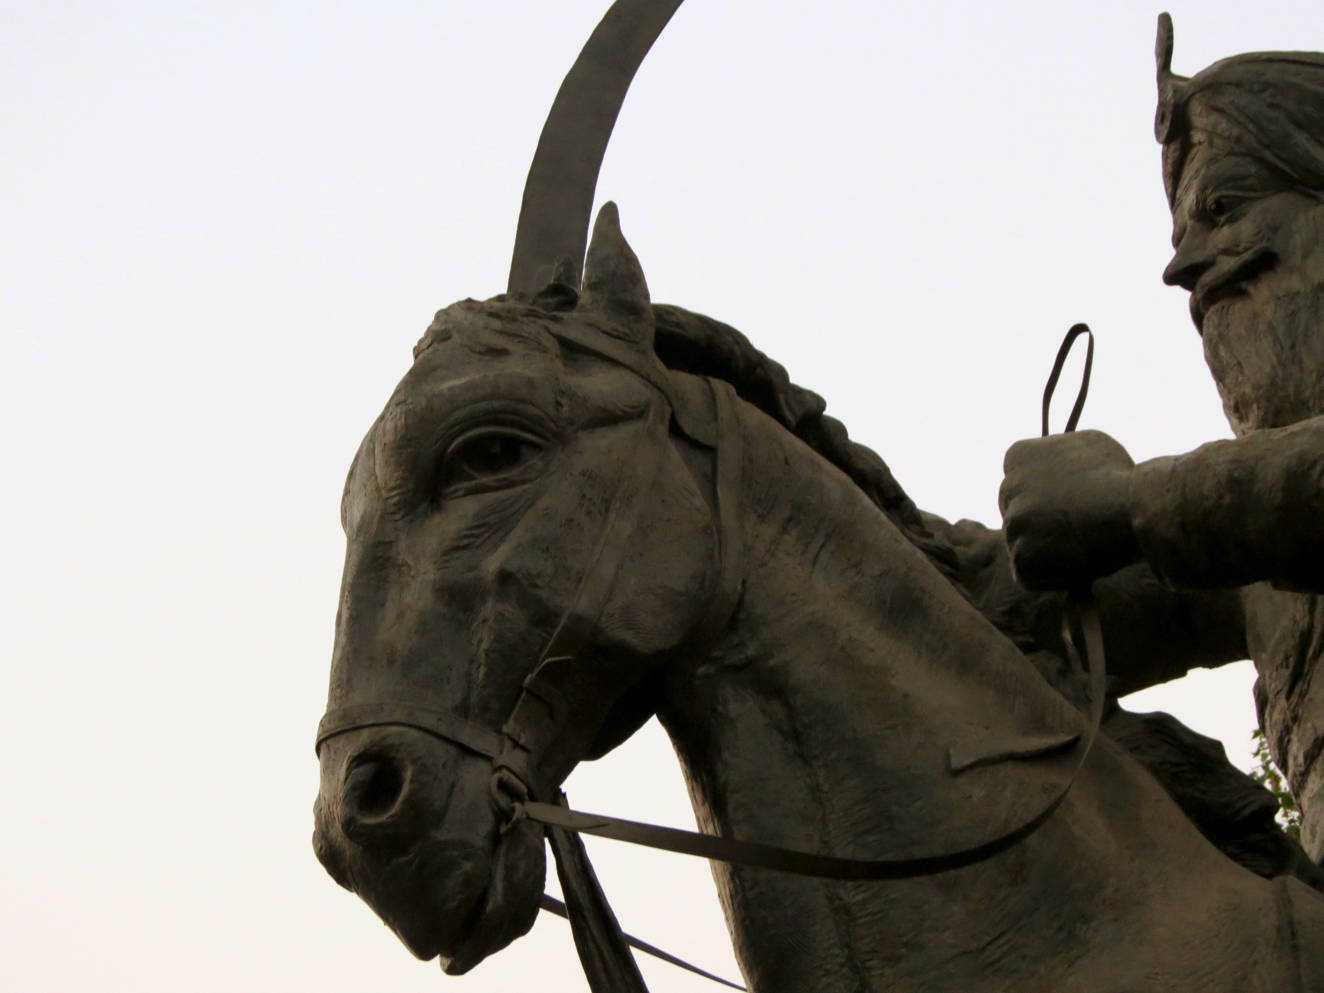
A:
{"x":473,"y":942}
{"x":435,"y":908}
{"x":508,"y":905}
{"x":1229,"y":278}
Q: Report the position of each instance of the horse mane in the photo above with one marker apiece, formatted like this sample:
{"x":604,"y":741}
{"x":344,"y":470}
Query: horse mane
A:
{"x":690,"y":342}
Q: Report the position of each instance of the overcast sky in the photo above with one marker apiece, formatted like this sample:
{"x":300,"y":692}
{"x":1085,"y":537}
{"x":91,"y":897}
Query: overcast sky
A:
{"x":227,"y":223}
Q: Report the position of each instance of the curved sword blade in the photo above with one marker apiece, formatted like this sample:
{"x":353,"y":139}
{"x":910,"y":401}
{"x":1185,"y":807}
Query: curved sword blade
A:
{"x":558,"y":195}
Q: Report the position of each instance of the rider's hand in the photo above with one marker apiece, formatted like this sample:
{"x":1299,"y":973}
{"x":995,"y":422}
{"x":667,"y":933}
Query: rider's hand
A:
{"x":1065,"y":503}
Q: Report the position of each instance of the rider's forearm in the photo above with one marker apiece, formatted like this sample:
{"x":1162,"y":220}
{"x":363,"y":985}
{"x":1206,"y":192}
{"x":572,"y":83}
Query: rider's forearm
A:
{"x":1154,"y":633}
{"x":1236,"y":512}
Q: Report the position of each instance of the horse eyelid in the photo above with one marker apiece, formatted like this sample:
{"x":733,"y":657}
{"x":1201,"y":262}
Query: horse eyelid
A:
{"x":493,"y":431}
{"x":449,"y":489}
{"x":520,"y":418}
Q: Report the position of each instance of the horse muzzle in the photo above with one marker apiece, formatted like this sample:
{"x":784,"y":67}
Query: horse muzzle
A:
{"x":407,"y":823}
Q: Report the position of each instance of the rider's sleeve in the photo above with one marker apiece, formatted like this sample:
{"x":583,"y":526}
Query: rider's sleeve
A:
{"x":1237,"y":512}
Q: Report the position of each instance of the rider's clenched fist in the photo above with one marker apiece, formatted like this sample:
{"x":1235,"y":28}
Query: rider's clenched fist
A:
{"x":1065,"y":503}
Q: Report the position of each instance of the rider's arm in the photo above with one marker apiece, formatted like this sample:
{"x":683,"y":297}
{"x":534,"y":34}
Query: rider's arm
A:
{"x":1236,"y":512}
{"x":1153,"y":633}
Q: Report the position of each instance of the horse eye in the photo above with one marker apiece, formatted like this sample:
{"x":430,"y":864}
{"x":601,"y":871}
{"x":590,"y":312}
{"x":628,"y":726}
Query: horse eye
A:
{"x":492,"y":454}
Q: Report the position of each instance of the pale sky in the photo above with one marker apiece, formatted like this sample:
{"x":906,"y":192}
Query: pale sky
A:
{"x":226,"y":225}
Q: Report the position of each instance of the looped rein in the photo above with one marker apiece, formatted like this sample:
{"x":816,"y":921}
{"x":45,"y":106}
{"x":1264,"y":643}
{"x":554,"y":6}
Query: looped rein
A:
{"x":1062,"y":352}
{"x":1081,"y":607}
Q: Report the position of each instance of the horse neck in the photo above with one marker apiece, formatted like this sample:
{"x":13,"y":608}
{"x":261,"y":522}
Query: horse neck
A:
{"x":850,"y":655}
{"x":822,"y":722}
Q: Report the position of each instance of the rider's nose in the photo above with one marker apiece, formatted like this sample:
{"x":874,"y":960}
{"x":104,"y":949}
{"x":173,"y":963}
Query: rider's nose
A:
{"x":1193,"y":260}
{"x":373,"y":793}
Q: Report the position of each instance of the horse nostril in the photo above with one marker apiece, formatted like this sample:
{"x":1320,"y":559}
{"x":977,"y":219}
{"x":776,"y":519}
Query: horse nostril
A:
{"x":373,"y":787}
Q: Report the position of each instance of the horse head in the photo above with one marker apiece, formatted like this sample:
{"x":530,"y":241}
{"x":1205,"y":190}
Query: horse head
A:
{"x":526,"y":497}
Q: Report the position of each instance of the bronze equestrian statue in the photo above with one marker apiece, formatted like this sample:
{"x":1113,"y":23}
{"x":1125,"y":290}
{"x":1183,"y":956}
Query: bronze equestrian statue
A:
{"x":579,"y":510}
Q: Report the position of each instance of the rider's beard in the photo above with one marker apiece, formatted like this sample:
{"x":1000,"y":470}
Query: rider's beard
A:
{"x":1265,"y":347}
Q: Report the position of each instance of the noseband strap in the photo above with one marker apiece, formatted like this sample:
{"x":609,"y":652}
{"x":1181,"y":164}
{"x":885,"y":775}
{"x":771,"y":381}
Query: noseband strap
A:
{"x":438,"y":723}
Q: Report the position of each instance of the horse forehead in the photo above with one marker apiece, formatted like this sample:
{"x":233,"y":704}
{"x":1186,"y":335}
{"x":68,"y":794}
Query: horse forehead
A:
{"x":476,"y":352}
{"x":453,"y":375}
{"x":460,"y":371}
{"x":489,"y":327}
{"x":469,"y":336}
{"x":485,"y":351}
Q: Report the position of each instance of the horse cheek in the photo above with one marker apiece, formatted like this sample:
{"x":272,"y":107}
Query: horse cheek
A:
{"x":665,"y":579}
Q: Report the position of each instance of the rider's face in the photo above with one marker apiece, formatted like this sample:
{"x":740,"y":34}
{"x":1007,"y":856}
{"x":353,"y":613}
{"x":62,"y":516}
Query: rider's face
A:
{"x":1251,"y":251}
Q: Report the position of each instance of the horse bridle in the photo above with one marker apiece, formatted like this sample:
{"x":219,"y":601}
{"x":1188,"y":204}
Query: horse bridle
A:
{"x":516,"y":750}
{"x":519,"y":788}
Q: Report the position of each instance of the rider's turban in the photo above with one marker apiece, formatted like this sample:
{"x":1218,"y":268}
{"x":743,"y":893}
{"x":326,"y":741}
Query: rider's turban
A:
{"x":1265,"y":105}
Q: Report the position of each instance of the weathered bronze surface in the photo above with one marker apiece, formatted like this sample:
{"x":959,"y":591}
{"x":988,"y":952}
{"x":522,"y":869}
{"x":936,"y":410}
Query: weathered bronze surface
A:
{"x":1243,"y":166}
{"x":580,"y":509}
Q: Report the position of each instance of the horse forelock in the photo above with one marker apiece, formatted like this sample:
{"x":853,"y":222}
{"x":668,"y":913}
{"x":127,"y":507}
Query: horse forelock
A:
{"x":490,"y":327}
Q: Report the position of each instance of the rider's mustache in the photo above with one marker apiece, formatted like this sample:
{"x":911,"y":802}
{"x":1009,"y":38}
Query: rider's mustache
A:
{"x":1229,"y":276}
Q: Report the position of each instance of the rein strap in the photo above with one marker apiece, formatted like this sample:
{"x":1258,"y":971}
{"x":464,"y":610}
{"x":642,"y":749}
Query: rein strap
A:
{"x":832,"y":867}
{"x":555,"y":906}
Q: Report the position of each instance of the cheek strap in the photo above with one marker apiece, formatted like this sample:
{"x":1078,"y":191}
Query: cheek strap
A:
{"x":542,"y":713}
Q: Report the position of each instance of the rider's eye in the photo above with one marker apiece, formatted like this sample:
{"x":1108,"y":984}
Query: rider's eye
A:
{"x":488,"y":455}
{"x":1220,"y":207}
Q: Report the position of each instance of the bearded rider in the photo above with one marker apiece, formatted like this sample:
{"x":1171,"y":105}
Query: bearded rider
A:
{"x":1243,"y":166}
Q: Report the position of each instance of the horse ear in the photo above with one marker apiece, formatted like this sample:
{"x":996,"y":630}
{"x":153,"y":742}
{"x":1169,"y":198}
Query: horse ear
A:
{"x":614,"y":283}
